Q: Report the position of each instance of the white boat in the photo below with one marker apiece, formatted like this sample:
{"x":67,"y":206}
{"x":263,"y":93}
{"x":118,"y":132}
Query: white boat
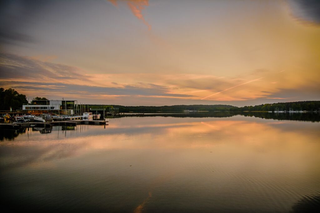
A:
{"x":22,"y":119}
{"x":28,"y":118}
{"x":38,"y":119}
{"x":47,"y":117}
{"x":87,"y":116}
{"x":19,"y":118}
{"x":57,"y":118}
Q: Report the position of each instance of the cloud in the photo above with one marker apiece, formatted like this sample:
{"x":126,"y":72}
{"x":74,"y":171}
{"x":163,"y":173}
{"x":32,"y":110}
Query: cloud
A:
{"x":114,"y":2}
{"x":199,"y":82}
{"x":136,"y":7}
{"x":51,"y":79}
{"x":212,"y":88}
{"x":18,"y":67}
{"x":11,"y":37}
{"x":229,"y":88}
{"x":304,"y":93}
{"x":16,"y":18}
{"x":94,"y":90}
{"x":306,"y":10}
{"x":44,"y":58}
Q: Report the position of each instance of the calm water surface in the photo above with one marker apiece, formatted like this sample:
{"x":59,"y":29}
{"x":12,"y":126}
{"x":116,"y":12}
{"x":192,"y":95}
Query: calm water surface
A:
{"x":164,"y":164}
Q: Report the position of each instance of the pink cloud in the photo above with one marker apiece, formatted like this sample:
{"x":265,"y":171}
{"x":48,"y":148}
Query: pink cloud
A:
{"x":136,"y":7}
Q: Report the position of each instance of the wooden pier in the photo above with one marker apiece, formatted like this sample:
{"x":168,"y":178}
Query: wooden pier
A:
{"x":18,"y":125}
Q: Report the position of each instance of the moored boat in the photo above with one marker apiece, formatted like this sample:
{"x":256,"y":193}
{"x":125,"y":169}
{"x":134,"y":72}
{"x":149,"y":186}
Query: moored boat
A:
{"x":38,"y":119}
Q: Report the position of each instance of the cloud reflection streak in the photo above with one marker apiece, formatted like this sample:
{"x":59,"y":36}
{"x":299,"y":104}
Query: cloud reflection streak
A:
{"x":210,"y":134}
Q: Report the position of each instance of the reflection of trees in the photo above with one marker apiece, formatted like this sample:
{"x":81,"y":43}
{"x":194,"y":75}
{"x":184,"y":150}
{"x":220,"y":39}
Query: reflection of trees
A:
{"x":313,"y":117}
{"x":10,"y":134}
{"x":307,"y":204}
{"x":183,"y":115}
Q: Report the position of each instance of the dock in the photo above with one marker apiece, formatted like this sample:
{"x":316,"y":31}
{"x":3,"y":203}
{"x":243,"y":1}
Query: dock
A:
{"x":18,"y":125}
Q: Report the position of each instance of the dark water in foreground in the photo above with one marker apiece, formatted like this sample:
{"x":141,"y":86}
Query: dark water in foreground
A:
{"x":165,"y":164}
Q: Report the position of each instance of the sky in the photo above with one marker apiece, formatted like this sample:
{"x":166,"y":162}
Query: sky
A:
{"x":162,"y":52}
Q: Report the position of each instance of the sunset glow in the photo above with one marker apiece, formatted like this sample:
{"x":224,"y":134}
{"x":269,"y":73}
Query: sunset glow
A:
{"x":153,"y":52}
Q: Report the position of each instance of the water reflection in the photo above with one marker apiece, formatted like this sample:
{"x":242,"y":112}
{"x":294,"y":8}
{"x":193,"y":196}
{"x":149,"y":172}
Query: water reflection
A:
{"x":43,"y":130}
{"x":164,"y":164}
{"x":11,"y":134}
{"x":68,"y":128}
{"x":307,"y":204}
{"x":311,"y":117}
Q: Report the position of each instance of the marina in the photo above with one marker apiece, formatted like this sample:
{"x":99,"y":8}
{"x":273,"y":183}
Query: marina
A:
{"x":17,"y":125}
{"x":53,"y":123}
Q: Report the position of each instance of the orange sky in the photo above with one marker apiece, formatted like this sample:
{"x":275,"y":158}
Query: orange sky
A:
{"x":140,"y":52}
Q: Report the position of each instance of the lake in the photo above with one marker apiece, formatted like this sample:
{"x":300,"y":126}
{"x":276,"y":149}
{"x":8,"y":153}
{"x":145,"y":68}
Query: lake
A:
{"x":164,"y":164}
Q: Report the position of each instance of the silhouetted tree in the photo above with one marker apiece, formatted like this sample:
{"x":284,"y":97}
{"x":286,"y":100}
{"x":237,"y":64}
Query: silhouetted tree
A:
{"x":11,"y":98}
{"x":40,"y":99}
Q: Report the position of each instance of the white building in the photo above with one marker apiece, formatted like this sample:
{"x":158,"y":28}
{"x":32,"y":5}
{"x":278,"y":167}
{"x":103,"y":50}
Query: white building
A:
{"x":52,"y":106}
{"x":66,"y":106}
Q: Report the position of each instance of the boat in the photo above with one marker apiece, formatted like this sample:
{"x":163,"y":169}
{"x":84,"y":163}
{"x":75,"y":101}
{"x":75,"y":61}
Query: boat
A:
{"x":58,"y":118}
{"x":46,"y":117}
{"x":87,"y":116}
{"x":22,"y":119}
{"x":38,"y":119}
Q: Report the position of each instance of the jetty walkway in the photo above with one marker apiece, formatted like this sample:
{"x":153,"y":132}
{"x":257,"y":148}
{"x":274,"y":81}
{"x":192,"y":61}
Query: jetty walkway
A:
{"x":18,"y":125}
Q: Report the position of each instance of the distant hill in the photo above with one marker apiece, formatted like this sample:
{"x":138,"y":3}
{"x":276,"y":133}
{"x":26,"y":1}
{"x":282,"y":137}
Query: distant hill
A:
{"x":174,"y":108}
{"x":286,"y":106}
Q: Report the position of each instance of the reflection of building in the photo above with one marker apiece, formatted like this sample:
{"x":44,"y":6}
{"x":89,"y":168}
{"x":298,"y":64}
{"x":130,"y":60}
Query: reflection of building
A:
{"x":58,"y":106}
{"x":190,"y":111}
{"x":68,"y":127}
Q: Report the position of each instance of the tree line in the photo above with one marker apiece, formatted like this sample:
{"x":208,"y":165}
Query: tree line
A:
{"x":10,"y":98}
{"x":286,"y":106}
{"x":174,"y":108}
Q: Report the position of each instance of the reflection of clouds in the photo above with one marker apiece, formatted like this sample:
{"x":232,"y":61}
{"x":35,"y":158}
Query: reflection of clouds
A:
{"x":175,"y":134}
{"x":307,"y":204}
{"x":15,"y":155}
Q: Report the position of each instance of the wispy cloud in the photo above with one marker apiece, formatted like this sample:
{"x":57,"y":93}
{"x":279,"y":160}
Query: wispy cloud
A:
{"x":26,"y":68}
{"x":34,"y":76}
{"x":307,"y":11}
{"x":16,"y":38}
{"x":212,"y":88}
{"x":136,"y":7}
{"x":238,"y":85}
